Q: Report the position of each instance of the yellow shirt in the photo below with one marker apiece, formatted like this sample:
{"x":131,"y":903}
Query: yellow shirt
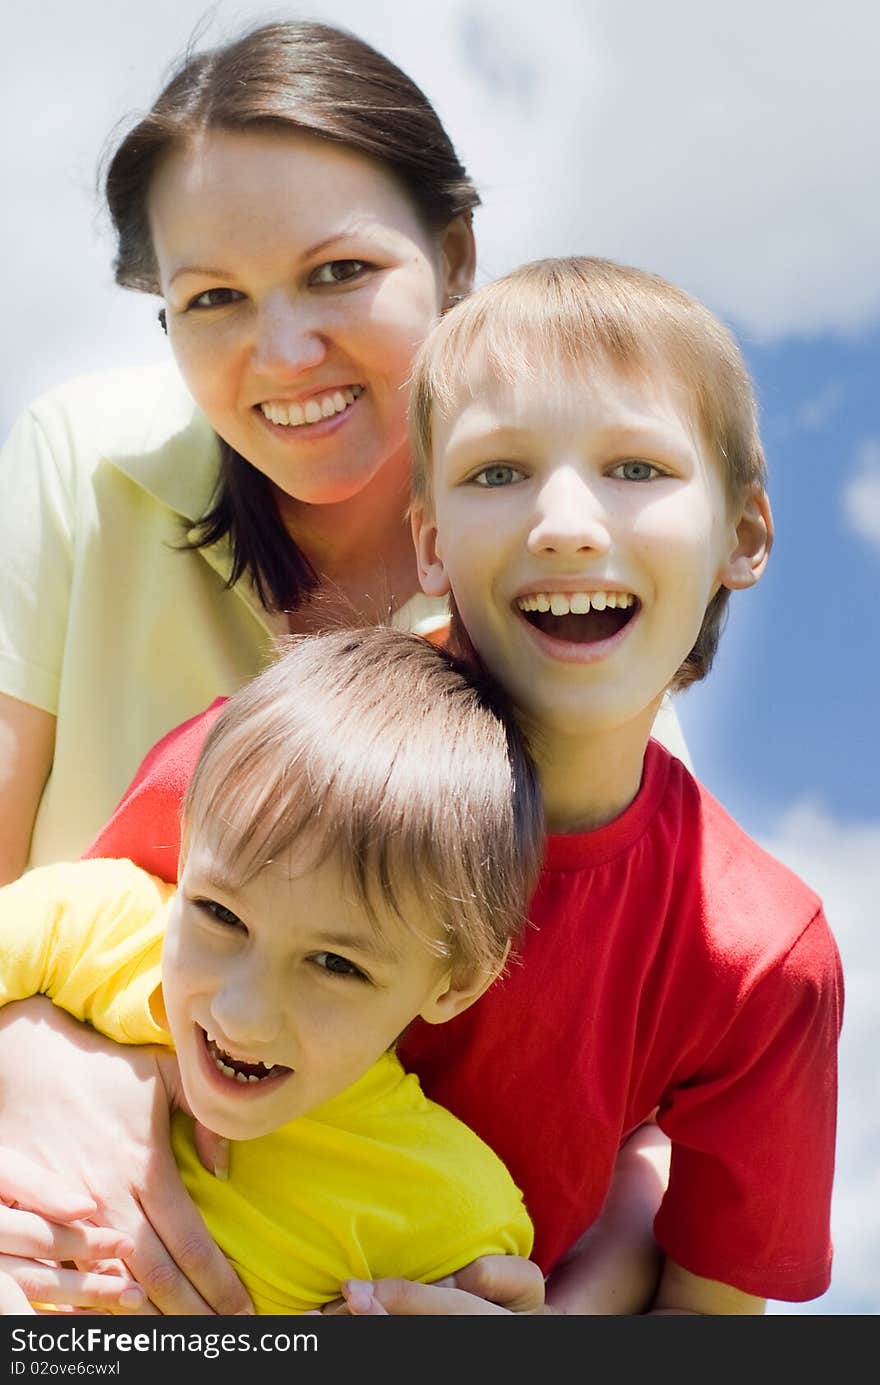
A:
{"x":377,"y":1181}
{"x":104,"y":620}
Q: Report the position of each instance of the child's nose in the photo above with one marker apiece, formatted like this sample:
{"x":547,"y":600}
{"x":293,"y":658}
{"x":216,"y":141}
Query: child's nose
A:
{"x":570,"y":517}
{"x":247,"y":1013}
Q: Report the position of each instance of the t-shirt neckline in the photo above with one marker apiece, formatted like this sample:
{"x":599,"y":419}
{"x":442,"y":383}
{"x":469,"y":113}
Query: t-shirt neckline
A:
{"x":565,"y":851}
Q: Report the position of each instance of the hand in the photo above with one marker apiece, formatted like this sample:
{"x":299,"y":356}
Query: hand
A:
{"x":491,"y":1285}
{"x":41,"y":1219}
{"x":98,"y":1112}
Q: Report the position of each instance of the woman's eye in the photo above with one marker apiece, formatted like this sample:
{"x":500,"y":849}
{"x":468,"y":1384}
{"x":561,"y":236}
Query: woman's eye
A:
{"x":220,"y":913}
{"x":498,"y":474}
{"x":215,"y":298}
{"x":338,"y":271}
{"x":636,"y":470}
{"x":339,"y":966}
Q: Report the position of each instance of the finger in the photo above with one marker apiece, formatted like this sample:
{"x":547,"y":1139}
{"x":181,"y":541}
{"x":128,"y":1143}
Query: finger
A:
{"x":512,"y":1281}
{"x":40,"y":1190}
{"x":176,"y":1259}
{"x":213,"y":1151}
{"x":403,"y":1298}
{"x":13,"y":1300}
{"x":52,"y":1284}
{"x":26,"y":1234}
{"x":361,"y":1300}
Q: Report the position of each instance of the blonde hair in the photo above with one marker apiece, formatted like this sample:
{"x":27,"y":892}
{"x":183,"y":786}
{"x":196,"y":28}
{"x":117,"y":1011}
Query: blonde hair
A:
{"x":580,"y":311}
{"x":376,"y":748}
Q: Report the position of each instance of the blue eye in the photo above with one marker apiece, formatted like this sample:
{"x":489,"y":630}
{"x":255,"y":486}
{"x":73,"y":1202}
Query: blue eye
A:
{"x":215,"y":298}
{"x":338,"y":966}
{"x":637,"y":470}
{"x":338,"y":271}
{"x":498,"y":474}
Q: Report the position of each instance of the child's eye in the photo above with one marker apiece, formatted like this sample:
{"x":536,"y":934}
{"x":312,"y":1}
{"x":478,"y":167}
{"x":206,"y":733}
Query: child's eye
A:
{"x":339,"y":966}
{"x":215,"y":298}
{"x":498,"y":474}
{"x":637,"y":470}
{"x":220,"y":912}
{"x":338,"y":271}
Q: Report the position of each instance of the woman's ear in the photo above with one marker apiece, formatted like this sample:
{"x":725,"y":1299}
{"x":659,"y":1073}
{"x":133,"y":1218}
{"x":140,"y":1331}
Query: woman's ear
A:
{"x":432,"y":569}
{"x":458,"y":258}
{"x":459,"y":989}
{"x":752,"y":543}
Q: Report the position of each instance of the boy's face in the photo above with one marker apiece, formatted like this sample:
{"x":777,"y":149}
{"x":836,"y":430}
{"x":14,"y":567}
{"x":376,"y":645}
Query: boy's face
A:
{"x":286,"y":981}
{"x":588,"y":491}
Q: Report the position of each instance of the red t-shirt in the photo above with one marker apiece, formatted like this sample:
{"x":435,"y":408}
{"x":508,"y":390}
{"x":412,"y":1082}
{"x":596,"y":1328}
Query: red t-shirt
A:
{"x":672,"y":966}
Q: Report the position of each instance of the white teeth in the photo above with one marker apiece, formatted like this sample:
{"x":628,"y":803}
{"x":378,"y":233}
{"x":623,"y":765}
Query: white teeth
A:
{"x":321,"y":406}
{"x":575,"y":603}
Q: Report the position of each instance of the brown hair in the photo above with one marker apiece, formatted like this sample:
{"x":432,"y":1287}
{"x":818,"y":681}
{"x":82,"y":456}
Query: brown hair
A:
{"x":579,"y":310}
{"x":373,"y":746}
{"x":298,"y":76}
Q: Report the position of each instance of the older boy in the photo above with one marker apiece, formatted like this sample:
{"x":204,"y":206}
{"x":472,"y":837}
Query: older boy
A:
{"x":590,"y":489}
{"x":361,"y":835}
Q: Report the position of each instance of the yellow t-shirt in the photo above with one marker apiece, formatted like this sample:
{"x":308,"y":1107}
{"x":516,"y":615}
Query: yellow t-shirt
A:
{"x":105,"y":621}
{"x":377,"y":1181}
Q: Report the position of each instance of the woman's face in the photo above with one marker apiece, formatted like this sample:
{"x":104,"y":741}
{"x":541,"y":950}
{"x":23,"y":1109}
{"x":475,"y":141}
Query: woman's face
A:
{"x":299,"y":281}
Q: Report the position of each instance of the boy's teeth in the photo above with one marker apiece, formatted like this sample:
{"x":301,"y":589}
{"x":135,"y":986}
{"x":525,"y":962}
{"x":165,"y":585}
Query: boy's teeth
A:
{"x":234,"y":1073}
{"x":292,"y":415}
{"x":574,"y":603}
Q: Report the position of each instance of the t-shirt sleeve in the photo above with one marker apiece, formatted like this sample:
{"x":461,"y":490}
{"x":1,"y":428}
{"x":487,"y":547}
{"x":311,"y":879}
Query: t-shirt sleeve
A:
{"x":753,"y":1135}
{"x":88,"y":935}
{"x":145,"y":825}
{"x":36,"y":540}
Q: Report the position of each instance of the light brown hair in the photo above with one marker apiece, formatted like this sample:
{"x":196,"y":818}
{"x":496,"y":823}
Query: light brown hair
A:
{"x":377,"y":748}
{"x":303,"y":77}
{"x":580,"y":312}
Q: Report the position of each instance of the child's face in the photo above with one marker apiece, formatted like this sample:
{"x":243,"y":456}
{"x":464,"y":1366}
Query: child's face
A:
{"x":591,"y":490}
{"x":284,"y":979}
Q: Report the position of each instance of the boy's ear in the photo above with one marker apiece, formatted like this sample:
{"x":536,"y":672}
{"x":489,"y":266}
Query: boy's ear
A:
{"x":458,"y":253}
{"x":432,"y":569}
{"x":458,"y":990}
{"x":752,"y":543}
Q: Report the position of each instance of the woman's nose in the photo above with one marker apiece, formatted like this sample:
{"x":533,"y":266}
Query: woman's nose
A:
{"x":288,"y":340}
{"x":570,"y":517}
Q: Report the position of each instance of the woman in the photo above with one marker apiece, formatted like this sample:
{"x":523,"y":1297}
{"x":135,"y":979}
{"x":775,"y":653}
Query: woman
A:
{"x":296,"y":202}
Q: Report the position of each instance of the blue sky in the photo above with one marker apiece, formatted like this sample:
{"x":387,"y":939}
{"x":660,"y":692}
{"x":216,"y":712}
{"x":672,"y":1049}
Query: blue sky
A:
{"x":733,"y":149}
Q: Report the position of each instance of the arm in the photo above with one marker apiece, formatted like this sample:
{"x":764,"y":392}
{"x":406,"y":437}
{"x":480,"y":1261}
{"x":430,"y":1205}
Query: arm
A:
{"x":90,"y":934}
{"x":615,"y":1266}
{"x":27,"y":742}
{"x":681,"y":1292}
{"x":98,"y":1113}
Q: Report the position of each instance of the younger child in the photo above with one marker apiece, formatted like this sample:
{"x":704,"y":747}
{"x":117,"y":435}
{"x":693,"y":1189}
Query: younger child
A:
{"x":360,"y":838}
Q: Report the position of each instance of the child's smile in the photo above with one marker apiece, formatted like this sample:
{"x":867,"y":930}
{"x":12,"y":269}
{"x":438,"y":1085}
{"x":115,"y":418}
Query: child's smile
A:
{"x":587,"y":619}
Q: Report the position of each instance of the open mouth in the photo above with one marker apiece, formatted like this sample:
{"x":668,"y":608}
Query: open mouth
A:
{"x":579,"y":617}
{"x":289,"y":414}
{"x":240,"y":1069}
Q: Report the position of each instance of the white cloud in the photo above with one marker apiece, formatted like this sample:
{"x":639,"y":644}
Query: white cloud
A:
{"x":861,"y":494}
{"x":728,"y":147}
{"x":841,"y":861}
